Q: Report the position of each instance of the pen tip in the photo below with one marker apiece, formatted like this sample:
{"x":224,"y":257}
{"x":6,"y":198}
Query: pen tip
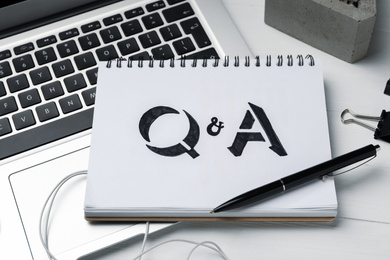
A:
{"x":211,"y":212}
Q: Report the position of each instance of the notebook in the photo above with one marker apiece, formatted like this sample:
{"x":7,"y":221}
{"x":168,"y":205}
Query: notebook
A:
{"x":49,"y":51}
{"x":198,"y":132}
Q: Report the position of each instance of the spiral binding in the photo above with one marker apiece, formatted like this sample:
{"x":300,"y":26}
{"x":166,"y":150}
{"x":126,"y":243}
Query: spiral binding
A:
{"x":214,"y":62}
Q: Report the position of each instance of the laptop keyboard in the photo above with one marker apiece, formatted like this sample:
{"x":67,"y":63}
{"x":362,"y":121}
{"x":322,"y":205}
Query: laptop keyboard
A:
{"x":48,"y":85}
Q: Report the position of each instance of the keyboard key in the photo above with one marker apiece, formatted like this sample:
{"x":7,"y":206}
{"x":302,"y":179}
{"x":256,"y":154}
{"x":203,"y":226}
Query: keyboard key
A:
{"x":110,"y":34}
{"x":170,"y":32}
{"x":131,"y":27}
{"x":141,"y":56}
{"x":75,"y":82}
{"x":45,"y":56}
{"x":5,"y":54}
{"x":134,"y":12}
{"x":193,"y":26}
{"x":47,"y":133}
{"x":210,"y":53}
{"x":183,"y":46}
{"x":89,"y":96}
{"x":67,"y":48}
{"x":178,"y":12}
{"x":23,"y":63}
{"x":112,"y":19}
{"x":52,"y":90}
{"x":29,"y":98}
{"x":92,"y":76}
{"x":17,"y":83}
{"x":69,"y":34}
{"x":85,"y":60}
{"x":62,"y":68}
{"x":24,"y":48}
{"x":70,"y":104}
{"x":128,"y":46}
{"x":89,"y":41}
{"x":2,"y":89}
{"x":5,"y":126}
{"x":91,"y":27}
{"x":151,"y":21}
{"x":171,"y":2}
{"x":23,"y":119}
{"x":155,"y":6}
{"x":46,"y":41}
{"x":149,"y":39}
{"x":40,"y":75}
{"x":5,"y":69}
{"x":47,"y":111}
{"x":107,"y":53}
{"x":7,"y":105}
{"x":162,"y":52}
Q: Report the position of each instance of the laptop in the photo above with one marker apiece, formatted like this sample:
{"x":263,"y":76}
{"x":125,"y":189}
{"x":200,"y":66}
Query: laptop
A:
{"x":49,"y":51}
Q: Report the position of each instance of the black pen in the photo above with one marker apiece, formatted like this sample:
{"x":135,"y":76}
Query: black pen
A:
{"x":316,"y":172}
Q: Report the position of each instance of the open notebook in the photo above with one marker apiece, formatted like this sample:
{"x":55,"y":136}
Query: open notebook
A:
{"x":189,"y":135}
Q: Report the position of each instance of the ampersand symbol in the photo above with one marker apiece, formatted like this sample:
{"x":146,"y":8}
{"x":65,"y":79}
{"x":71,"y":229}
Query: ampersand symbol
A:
{"x":214,"y":123}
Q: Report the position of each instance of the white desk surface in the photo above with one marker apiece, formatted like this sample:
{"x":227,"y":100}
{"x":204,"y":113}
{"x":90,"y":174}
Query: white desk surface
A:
{"x":362,"y":228}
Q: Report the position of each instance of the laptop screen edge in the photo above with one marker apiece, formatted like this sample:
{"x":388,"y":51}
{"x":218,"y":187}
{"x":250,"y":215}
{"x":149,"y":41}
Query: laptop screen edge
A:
{"x":55,"y":17}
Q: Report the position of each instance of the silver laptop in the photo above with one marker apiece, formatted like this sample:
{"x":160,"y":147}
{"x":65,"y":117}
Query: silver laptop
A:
{"x":49,"y":52}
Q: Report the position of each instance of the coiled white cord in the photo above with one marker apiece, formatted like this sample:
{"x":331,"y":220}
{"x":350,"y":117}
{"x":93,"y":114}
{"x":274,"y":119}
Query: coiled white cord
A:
{"x":44,"y":232}
{"x":44,"y":222}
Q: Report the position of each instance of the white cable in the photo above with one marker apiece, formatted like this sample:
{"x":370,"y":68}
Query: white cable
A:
{"x":219,"y":250}
{"x":44,"y":236}
{"x":44,"y":227}
{"x":204,"y":244}
{"x":144,"y":242}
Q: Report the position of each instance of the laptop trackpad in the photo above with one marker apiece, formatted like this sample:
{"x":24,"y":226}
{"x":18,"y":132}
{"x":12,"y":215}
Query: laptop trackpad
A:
{"x":70,"y":235}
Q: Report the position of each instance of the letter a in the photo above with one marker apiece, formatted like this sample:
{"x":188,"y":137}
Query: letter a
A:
{"x":276,"y":145}
{"x":242,"y":138}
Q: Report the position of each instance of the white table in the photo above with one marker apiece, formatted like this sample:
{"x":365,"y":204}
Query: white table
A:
{"x":362,"y":228}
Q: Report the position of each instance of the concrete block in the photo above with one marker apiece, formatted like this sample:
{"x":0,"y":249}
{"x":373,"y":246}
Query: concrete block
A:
{"x":342,"y":28}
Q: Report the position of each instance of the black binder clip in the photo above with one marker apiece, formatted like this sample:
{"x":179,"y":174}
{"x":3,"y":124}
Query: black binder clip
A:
{"x":387,"y":88}
{"x":382,"y":131}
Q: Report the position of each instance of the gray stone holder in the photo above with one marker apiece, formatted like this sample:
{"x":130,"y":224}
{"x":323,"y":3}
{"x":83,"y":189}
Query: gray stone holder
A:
{"x":342,"y":28}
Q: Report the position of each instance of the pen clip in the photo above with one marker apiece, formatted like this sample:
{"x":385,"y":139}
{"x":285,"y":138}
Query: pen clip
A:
{"x":333,"y":174}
